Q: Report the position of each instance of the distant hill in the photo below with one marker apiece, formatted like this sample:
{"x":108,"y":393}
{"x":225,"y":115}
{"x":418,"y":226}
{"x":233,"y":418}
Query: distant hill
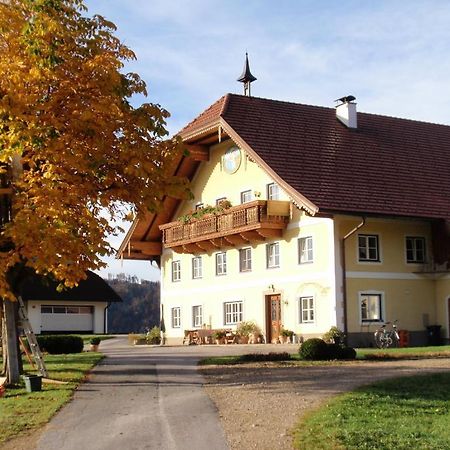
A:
{"x":140,"y":307}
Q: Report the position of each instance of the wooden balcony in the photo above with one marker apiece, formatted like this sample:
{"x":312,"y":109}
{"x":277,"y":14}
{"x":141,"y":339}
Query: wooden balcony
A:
{"x":236,"y":226}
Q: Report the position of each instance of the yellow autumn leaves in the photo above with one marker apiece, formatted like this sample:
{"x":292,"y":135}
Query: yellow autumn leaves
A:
{"x":66,"y":112}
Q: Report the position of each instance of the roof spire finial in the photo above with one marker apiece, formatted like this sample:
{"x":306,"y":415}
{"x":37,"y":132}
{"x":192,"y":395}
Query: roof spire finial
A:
{"x":246,"y":77}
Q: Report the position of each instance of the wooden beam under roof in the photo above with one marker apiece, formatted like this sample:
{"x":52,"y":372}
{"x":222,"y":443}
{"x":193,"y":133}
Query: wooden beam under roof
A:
{"x":207,"y":246}
{"x":252,"y":235}
{"x":198,"y":152}
{"x":147,"y":247}
{"x":235,"y":239}
{"x":270,"y":232}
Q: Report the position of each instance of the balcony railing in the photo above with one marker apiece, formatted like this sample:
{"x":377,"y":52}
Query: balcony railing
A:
{"x":249,"y":222}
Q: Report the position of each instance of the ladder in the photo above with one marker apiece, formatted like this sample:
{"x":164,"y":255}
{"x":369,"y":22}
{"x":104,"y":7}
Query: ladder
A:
{"x":31,"y":337}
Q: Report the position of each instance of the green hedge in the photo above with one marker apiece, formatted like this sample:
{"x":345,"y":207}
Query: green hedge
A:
{"x":314,"y":349}
{"x":317,"y":349}
{"x":60,"y":344}
{"x":272,"y":356}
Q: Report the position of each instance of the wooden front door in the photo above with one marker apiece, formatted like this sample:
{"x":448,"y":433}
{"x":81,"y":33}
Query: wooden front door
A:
{"x":273,"y":314}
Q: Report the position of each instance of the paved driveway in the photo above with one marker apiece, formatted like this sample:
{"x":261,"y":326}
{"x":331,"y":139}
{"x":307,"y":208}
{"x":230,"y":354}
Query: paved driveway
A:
{"x":143,"y":398}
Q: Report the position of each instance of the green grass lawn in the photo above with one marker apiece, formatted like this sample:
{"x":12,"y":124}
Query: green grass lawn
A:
{"x":361,"y":353}
{"x":21,"y":411}
{"x":404,"y":353}
{"x":402,"y":414}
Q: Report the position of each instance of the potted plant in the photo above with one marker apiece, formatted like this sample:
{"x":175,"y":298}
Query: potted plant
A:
{"x":286,"y":336}
{"x":245,"y":329}
{"x":153,"y":336}
{"x":95,"y":342}
{"x":334,"y":336}
{"x":219,"y":336}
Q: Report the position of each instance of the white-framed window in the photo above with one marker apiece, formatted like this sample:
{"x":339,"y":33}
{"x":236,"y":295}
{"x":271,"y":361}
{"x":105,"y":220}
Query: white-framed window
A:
{"x":306,"y":310}
{"x":197,"y":267}
{"x":232,"y":313}
{"x":246,"y":196}
{"x":415,"y":249}
{"x":199,"y":206}
{"x":371,"y":307}
{"x":176,"y":270}
{"x":245,"y":259}
{"x":273,"y":191}
{"x":305,"y":250}
{"x":368,"y":249}
{"x":176,"y":317}
{"x":273,"y":255}
{"x":197,"y":316}
{"x":221,"y":263}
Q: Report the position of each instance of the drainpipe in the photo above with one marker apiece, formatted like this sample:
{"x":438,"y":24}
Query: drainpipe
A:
{"x":344,"y":270}
{"x":105,"y":318}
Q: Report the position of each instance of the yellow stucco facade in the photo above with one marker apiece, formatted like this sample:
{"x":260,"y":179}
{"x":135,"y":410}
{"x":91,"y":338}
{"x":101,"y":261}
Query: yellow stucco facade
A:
{"x":308,"y":272}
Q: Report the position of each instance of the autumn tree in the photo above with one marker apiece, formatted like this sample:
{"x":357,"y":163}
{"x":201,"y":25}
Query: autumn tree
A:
{"x":75,"y":147}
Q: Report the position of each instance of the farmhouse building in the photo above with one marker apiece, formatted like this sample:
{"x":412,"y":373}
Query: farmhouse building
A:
{"x":304,"y":217}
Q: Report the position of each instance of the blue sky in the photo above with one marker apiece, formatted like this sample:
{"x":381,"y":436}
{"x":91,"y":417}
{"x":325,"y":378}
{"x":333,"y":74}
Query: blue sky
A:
{"x":393,"y":56}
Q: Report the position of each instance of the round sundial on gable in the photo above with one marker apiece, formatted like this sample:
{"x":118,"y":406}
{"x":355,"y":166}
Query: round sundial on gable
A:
{"x":231,"y":160}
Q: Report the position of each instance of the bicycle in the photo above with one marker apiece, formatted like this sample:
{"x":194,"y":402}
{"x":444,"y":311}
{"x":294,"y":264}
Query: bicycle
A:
{"x":385,"y":338}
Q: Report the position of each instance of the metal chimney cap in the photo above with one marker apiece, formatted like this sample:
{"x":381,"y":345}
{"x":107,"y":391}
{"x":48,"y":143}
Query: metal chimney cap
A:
{"x":346,"y":99}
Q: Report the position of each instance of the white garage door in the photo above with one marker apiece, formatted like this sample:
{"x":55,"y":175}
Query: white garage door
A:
{"x":67,"y":318}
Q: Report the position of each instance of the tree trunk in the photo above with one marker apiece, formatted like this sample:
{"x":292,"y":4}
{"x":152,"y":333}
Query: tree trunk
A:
{"x":10,"y":351}
{"x":3,"y":334}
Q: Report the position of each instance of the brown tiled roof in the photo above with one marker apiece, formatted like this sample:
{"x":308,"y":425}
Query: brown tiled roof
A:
{"x":385,"y":166}
{"x":207,"y":117}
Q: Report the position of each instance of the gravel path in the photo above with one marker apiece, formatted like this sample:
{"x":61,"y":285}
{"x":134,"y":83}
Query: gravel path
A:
{"x":259,"y":404}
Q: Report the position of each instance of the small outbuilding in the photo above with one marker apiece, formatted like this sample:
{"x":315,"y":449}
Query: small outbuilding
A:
{"x":82,"y":309}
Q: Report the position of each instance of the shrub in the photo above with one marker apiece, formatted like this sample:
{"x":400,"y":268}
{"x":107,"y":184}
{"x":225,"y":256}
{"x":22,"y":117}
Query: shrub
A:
{"x":347,"y":353}
{"x":154,"y":336}
{"x":287,"y":333}
{"x":314,"y":349}
{"x":272,"y":356}
{"x":95,"y":341}
{"x":60,"y":343}
{"x":219,"y":334}
{"x":317,"y":349}
{"x":333,"y":351}
{"x":247,"y":328}
{"x":334,"y":336}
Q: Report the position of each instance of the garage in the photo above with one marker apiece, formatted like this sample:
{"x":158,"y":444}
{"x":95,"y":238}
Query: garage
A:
{"x":71,"y":318}
{"x":82,"y":309}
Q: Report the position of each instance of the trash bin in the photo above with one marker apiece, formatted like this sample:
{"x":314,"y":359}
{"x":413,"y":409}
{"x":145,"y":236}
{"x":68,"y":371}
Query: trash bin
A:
{"x":434,"y":335}
{"x":404,"y":338}
{"x":33,"y":383}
